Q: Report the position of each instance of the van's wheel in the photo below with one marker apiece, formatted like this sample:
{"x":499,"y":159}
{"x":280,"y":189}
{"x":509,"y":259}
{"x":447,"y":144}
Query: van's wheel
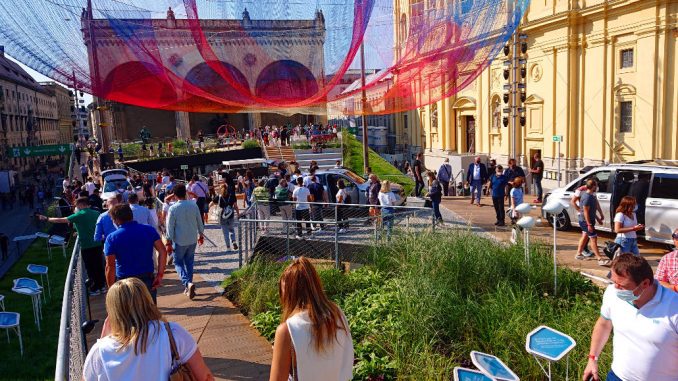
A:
{"x":562,"y":221}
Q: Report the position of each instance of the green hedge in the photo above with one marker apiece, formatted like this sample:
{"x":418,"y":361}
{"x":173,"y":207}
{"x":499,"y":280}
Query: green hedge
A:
{"x":425,"y":301}
{"x":353,"y":159}
{"x":250,"y":143}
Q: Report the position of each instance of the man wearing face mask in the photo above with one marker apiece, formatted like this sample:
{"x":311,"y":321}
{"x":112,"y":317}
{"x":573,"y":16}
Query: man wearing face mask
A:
{"x":644,"y":317}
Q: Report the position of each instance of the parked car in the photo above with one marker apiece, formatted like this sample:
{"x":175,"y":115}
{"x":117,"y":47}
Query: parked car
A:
{"x":653,"y":183}
{"x":116,"y":181}
{"x":355,"y":184}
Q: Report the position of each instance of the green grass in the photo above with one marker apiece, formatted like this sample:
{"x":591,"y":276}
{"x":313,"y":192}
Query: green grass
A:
{"x":40,"y":348}
{"x":424,"y":301}
{"x":353,"y":159}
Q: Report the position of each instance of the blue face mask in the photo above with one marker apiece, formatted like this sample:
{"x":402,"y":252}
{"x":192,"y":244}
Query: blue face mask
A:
{"x":628,"y":295}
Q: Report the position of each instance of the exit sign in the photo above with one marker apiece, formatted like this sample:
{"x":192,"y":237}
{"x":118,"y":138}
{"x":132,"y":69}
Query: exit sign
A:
{"x":558,"y":138}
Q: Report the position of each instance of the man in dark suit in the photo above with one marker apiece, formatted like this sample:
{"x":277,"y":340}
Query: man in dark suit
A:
{"x":476,"y":176}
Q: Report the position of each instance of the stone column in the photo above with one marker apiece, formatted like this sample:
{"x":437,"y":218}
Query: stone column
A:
{"x":182,"y":124}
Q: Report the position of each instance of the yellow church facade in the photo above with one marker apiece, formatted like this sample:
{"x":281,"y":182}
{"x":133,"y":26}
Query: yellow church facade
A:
{"x":601,"y":74}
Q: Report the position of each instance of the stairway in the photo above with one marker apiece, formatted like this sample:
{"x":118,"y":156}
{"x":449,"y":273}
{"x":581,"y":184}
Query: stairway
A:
{"x":326,"y":159}
{"x":278,"y":154}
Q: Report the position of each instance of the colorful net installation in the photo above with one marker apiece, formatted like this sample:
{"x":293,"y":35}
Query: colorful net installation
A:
{"x":284,"y":56}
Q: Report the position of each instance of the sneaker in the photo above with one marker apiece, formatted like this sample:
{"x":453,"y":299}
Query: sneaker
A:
{"x":501,"y":223}
{"x":186,"y":291}
{"x":496,"y":223}
{"x":191,"y":291}
{"x":583,"y":256}
{"x":235,"y":246}
{"x":604,"y":262}
{"x":297,"y":236}
{"x":170,"y":260}
{"x":342,"y":231}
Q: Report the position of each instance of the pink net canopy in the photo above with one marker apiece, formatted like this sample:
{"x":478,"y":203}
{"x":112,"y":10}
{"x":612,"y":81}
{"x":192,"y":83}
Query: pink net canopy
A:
{"x":260,"y":55}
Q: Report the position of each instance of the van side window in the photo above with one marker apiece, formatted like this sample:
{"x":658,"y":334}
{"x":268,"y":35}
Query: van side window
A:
{"x":602,"y":178}
{"x":665,"y":186}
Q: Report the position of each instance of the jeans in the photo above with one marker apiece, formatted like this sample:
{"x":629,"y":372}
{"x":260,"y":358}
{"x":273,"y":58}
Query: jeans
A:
{"x":228,"y":229}
{"x":477,"y":188}
{"x":445,"y":185}
{"x":537,"y":187}
{"x":628,"y":245}
{"x":317,"y":214}
{"x":94,"y":264}
{"x":612,"y":377}
{"x":286,"y":212}
{"x":183,"y":262}
{"x":436,"y":209}
{"x":418,"y":186}
{"x":498,"y":203}
{"x":303,"y":214}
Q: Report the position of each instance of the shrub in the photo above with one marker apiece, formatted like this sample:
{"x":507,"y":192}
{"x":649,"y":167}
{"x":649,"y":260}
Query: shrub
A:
{"x":250,"y":143}
{"x":179,"y":144}
{"x":301,"y":145}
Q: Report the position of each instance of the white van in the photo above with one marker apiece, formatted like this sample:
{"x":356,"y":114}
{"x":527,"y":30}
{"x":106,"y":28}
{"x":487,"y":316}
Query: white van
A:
{"x":653,"y":183}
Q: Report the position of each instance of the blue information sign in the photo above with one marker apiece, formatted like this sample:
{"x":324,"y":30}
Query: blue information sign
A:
{"x":464,"y":374}
{"x":492,"y":367}
{"x":548,"y":343}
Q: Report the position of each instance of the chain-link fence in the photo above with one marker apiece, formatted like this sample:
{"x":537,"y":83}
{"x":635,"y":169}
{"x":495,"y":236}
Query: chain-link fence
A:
{"x":336,"y":232}
{"x":71,"y":350}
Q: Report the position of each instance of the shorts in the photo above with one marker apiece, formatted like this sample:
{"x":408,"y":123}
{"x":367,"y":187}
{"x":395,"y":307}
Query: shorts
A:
{"x":584,"y":228}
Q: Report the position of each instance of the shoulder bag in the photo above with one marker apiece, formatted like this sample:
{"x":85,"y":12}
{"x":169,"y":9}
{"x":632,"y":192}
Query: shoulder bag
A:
{"x":179,"y":372}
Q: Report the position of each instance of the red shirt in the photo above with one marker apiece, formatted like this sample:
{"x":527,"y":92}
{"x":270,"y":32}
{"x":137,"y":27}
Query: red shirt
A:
{"x":667,"y":271}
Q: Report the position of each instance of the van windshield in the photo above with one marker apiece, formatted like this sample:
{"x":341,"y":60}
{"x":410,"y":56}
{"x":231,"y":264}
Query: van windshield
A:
{"x":114,"y":185}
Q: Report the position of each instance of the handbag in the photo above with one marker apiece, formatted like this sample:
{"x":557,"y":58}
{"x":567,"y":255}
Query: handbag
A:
{"x":179,"y":372}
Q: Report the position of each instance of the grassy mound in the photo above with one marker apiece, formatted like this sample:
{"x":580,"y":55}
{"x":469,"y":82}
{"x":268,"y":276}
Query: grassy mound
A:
{"x":353,"y":159}
{"x":427,"y":300}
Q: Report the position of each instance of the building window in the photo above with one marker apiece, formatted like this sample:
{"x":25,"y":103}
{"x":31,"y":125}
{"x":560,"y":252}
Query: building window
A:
{"x":625,"y":116}
{"x":626,"y":58}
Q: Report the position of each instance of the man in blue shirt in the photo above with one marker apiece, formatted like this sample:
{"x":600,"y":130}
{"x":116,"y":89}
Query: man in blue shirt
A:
{"x":444,"y":175}
{"x":141,"y":214}
{"x":476,"y":176}
{"x":498,"y":183}
{"x":105,"y":225}
{"x":129,"y":251}
{"x":184,"y":230}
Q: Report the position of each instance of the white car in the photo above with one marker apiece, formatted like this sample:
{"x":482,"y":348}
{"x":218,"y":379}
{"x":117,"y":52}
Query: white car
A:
{"x":653,"y":183}
{"x":116,"y":181}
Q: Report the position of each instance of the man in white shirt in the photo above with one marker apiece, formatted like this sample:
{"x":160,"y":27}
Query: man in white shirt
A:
{"x":89,"y":186}
{"x":644,"y":317}
{"x":66,"y":183}
{"x":302,"y":196}
{"x":141,"y":214}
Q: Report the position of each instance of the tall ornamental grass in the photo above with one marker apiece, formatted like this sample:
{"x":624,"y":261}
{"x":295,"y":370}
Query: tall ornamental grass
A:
{"x":424,"y":301}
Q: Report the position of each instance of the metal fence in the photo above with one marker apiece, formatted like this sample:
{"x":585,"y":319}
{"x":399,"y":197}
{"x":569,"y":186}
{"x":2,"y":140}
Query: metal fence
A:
{"x":336,"y":232}
{"x":72,"y":347}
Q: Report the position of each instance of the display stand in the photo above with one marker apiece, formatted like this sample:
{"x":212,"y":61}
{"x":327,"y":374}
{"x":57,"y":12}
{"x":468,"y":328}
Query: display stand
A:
{"x":551,"y":345}
{"x":492,"y":367}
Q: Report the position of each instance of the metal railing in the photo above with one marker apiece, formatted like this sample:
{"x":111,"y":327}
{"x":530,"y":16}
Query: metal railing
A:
{"x":72,"y":345}
{"x":330,"y":231}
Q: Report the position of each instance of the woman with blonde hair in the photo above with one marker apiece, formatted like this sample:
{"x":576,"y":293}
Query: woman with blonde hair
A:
{"x":626,"y":225}
{"x":387,"y":200}
{"x":135,"y":341}
{"x":313,"y":342}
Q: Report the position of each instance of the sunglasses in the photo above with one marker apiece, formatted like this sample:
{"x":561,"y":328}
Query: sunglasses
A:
{"x":674,"y":235}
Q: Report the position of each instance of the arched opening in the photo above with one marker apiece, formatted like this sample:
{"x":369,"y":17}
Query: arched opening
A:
{"x":233,"y":87}
{"x":286,"y":81}
{"x":138,"y":83}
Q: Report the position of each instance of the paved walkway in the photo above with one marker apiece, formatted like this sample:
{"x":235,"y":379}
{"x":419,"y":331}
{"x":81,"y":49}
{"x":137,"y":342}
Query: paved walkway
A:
{"x":233,"y":350}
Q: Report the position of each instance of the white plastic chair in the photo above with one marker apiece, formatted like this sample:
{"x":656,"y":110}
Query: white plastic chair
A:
{"x":11,"y":321}
{"x":41,"y":270}
{"x":30,"y":287}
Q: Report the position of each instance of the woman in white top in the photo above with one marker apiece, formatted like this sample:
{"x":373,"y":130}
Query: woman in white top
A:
{"x":313,"y":342}
{"x":387,"y":200}
{"x":626,"y":225}
{"x":135,"y":344}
